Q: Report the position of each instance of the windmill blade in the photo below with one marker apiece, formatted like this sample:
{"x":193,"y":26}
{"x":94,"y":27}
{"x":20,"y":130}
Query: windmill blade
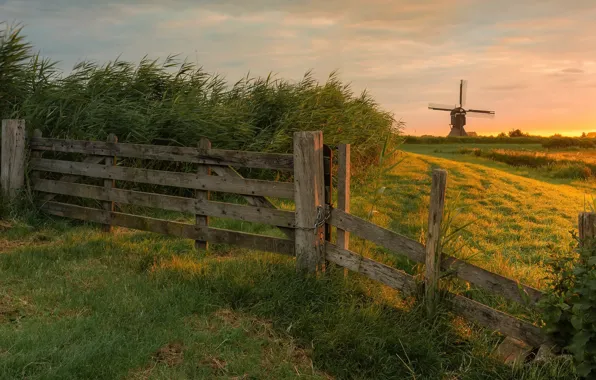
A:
{"x":481,"y":111}
{"x":440,"y":107}
{"x":483,"y":115}
{"x":463,"y":92}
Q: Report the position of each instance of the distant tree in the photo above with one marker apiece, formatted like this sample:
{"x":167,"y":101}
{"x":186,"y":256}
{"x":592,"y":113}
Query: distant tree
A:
{"x":517,"y":133}
{"x":584,"y":135}
{"x":502,"y":134}
{"x":557,"y":135}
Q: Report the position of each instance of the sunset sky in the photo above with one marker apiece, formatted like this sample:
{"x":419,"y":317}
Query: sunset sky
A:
{"x":532,"y":61}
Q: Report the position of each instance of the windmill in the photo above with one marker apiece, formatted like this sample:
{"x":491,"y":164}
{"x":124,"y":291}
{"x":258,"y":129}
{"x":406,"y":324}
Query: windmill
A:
{"x":458,"y":112}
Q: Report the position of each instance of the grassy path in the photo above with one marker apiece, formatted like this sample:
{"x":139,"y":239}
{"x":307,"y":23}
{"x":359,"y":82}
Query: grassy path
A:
{"x":516,"y":221}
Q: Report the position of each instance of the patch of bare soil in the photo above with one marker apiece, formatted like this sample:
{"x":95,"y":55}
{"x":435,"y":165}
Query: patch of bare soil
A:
{"x":171,"y":355}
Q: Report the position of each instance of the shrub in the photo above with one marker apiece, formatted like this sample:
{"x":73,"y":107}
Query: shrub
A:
{"x":517,"y":133}
{"x":569,"y":306}
{"x":501,"y":139}
{"x":568,"y":142}
{"x":574,"y":171}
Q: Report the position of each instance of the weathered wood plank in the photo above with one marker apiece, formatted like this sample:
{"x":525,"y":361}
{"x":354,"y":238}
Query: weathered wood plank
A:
{"x":432,"y":268}
{"x":259,"y":160}
{"x":469,"y":309}
{"x":109,"y":183}
{"x":167,"y":202}
{"x":251,"y":241}
{"x":378,"y":235}
{"x":276,"y":161}
{"x":344,"y":175}
{"x":202,"y":220}
{"x":415,"y":251}
{"x":13,"y":156}
{"x":73,"y":178}
{"x":257,"y":201}
{"x":175,"y":179}
{"x":387,"y":275}
{"x":166,"y":227}
{"x":497,"y":320}
{"x":309,"y":197}
{"x":490,"y":281}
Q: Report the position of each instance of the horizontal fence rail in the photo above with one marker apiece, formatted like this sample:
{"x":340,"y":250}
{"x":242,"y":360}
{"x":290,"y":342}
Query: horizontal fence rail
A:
{"x":271,"y":216}
{"x":406,"y":283}
{"x":259,"y":160}
{"x":415,"y":251}
{"x":189,"y":231}
{"x":165,"y":178}
{"x":394,"y":278}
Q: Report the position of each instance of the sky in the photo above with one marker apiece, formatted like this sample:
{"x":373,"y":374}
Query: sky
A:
{"x":531,"y":61}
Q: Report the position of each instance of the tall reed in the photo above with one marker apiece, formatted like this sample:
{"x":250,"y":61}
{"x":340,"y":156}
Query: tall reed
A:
{"x":176,"y":102}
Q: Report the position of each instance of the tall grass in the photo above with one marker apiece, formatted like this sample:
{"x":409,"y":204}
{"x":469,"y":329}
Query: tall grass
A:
{"x":176,"y":102}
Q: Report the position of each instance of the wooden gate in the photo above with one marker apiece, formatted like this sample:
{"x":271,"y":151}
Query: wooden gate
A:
{"x":214,"y":173}
{"x":307,"y":229}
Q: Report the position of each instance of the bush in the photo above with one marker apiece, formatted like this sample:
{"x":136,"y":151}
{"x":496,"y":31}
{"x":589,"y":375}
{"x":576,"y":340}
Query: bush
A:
{"x":517,"y":133}
{"x":569,"y":306}
{"x":558,"y":168}
{"x":568,"y":142}
{"x":501,"y":139}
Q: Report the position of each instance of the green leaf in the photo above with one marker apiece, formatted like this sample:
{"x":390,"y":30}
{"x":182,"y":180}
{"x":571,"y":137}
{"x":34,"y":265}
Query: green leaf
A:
{"x":584,"y":369}
{"x":581,"y":338}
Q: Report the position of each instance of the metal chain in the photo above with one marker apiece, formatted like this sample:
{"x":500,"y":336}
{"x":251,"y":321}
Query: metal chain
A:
{"x":323,"y":215}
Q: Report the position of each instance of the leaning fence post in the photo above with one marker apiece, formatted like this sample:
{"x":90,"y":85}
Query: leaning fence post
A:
{"x":202,"y":221}
{"x":586,"y":226}
{"x":12,"y":160}
{"x":109,"y":183}
{"x":433,"y":236}
{"x":309,"y":189}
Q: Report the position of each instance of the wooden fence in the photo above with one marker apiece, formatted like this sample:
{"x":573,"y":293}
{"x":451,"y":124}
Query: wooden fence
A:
{"x":307,"y":229}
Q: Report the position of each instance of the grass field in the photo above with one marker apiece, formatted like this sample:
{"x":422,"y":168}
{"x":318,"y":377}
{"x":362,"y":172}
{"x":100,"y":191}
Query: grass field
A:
{"x":76,"y":303}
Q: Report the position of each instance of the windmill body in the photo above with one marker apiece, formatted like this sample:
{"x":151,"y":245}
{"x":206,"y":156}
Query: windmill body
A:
{"x":458,"y":113}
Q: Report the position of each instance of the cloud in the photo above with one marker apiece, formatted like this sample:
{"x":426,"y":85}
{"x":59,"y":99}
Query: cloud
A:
{"x":572,"y":71}
{"x":519,"y":57}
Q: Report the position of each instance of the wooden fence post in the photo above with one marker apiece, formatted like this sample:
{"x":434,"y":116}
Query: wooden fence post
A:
{"x":109,"y":183}
{"x":12,"y":160}
{"x":328,"y":174}
{"x":586,"y":226}
{"x":433,"y":236}
{"x":343,"y":191}
{"x":203,"y":170}
{"x":309,"y":195}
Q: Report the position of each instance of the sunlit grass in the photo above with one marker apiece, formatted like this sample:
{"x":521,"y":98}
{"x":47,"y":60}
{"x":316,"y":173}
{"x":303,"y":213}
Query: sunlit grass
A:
{"x":516,"y":221}
{"x":137,"y":305}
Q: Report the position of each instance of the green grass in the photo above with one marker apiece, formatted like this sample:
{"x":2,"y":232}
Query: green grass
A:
{"x":76,"y":303}
{"x":135,"y":305}
{"x":518,"y":220}
{"x":452,"y":153}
